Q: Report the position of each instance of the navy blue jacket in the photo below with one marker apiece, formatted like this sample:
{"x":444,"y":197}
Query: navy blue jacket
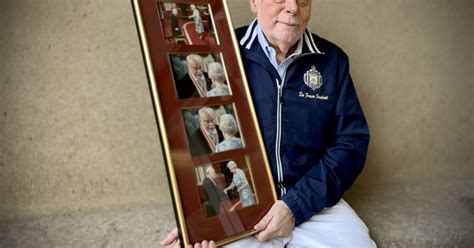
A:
{"x":316,"y":138}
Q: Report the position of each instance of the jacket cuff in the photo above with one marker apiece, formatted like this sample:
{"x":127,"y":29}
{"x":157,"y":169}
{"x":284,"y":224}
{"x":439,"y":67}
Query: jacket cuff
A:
{"x":297,"y":207}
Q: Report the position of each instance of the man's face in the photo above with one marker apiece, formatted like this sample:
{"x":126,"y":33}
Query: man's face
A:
{"x":195,"y":68}
{"x":212,"y":174}
{"x":282,"y":21}
{"x":207,"y":122}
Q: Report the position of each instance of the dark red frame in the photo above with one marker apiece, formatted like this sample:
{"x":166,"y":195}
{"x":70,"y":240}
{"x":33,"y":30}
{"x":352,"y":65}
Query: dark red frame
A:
{"x":174,"y":139}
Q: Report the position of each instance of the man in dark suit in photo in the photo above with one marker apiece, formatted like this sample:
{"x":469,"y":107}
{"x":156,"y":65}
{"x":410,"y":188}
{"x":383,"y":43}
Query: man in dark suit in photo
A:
{"x":195,"y":83}
{"x":204,"y":139}
{"x":220,"y":204}
{"x":215,"y":195}
{"x":174,"y":22}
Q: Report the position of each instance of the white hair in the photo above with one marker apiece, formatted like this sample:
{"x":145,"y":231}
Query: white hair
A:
{"x":228,"y":124}
{"x":231,"y":165}
{"x":216,"y":71}
{"x":194,"y":57}
{"x":207,"y":110}
{"x":209,"y":170}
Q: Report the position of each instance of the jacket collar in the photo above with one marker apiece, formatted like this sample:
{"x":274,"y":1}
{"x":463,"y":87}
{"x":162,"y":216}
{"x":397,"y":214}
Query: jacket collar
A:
{"x":250,"y":38}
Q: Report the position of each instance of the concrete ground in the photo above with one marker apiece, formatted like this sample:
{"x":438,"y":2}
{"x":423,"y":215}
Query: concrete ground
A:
{"x":422,"y":214}
{"x":413,"y":215}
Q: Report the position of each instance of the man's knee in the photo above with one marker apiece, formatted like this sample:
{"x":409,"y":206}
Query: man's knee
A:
{"x":338,"y":226}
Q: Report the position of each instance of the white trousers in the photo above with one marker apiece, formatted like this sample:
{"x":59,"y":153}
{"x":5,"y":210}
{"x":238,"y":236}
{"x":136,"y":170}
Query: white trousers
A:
{"x":338,"y":226}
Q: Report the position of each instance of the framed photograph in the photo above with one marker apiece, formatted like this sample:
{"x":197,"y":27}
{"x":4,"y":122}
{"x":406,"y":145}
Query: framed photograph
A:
{"x":219,"y":176}
{"x":187,"y":23}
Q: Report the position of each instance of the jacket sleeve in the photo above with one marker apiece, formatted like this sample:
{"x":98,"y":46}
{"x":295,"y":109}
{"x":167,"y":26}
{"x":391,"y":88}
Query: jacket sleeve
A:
{"x":344,"y":157}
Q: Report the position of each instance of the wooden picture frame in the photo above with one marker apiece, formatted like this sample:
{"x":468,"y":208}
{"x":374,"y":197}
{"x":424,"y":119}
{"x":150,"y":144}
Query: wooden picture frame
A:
{"x":219,"y":176}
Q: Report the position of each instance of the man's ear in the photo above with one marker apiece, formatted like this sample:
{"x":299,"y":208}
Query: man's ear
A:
{"x":253,"y":6}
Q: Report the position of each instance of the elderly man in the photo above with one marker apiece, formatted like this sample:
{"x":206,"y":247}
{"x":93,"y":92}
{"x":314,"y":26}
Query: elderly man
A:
{"x":213,"y":192}
{"x":221,"y":204}
{"x":195,"y":83}
{"x":174,"y":23}
{"x":314,"y":131}
{"x":204,"y":139}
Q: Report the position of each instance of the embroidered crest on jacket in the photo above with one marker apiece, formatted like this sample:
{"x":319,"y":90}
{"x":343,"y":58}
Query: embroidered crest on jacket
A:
{"x":313,"y":78}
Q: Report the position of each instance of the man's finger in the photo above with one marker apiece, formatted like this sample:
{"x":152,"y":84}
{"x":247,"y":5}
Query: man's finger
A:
{"x":263,"y":223}
{"x":268,"y":231}
{"x":172,"y":236}
{"x":177,"y":244}
{"x":263,"y":235}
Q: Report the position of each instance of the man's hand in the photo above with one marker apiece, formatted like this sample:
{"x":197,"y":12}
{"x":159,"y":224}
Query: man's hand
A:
{"x":277,"y":223}
{"x":172,"y":237}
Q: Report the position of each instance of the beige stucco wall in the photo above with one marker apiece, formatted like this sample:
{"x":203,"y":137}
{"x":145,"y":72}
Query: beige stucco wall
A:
{"x":77,"y":129}
{"x":77,"y":124}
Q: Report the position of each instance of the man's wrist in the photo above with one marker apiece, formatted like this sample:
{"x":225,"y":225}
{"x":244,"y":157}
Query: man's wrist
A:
{"x":288,"y":210}
{"x":295,"y":206}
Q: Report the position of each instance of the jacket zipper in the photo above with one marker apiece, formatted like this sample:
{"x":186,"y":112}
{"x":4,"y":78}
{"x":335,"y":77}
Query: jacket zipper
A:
{"x":278,"y":134}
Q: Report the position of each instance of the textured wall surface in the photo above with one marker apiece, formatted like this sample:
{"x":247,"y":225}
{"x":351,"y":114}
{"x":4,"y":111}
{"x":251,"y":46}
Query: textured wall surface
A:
{"x":77,"y":124}
{"x":77,"y":129}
